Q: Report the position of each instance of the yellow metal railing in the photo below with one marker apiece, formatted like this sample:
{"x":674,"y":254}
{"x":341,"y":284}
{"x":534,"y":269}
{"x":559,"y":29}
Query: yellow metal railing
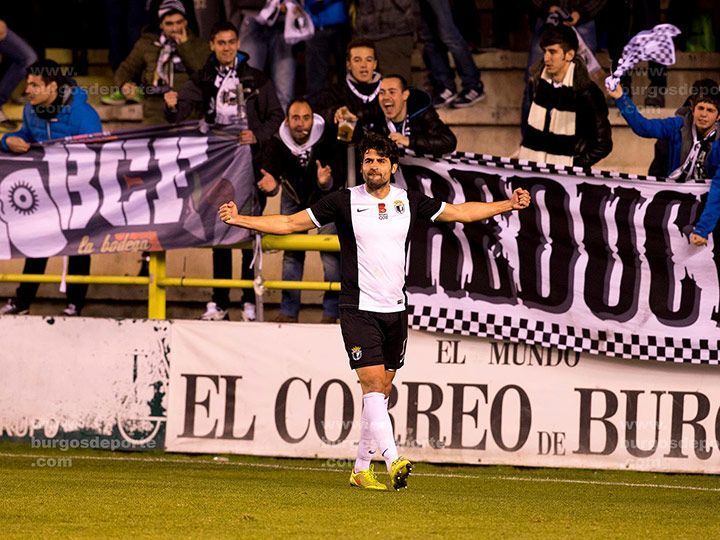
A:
{"x":158,"y":281}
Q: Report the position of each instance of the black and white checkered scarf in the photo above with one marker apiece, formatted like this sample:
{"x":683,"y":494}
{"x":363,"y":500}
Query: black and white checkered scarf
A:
{"x":655,"y":45}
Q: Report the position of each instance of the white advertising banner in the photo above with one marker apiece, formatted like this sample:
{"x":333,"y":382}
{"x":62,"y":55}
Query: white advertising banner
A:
{"x":267,"y":389}
{"x":98,"y":382}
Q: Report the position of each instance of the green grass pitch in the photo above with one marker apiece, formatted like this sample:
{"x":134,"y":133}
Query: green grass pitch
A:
{"x":82,"y":493}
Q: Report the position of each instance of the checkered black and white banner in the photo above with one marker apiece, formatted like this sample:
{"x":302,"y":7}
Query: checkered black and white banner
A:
{"x":600,"y":263}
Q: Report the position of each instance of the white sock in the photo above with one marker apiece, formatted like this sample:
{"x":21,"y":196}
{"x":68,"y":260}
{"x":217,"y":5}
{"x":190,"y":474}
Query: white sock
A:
{"x":375,"y":413}
{"x":366,"y":446}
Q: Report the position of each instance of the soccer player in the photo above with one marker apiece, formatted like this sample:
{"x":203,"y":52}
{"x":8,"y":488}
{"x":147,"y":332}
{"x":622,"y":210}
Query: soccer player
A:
{"x":374,"y":221}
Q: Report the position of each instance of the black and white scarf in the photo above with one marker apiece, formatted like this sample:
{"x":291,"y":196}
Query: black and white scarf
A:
{"x":226,"y":98}
{"x":367,"y":92}
{"x":655,"y":45}
{"x":404,"y":127}
{"x":551,"y":126}
{"x":693,"y":168}
{"x":168,"y":63}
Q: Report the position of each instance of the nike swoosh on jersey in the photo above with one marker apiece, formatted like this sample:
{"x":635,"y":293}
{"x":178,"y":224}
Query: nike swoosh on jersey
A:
{"x":361,"y":209}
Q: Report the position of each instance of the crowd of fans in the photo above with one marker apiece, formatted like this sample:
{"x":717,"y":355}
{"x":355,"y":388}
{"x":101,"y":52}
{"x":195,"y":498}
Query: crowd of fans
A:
{"x":356,"y":80}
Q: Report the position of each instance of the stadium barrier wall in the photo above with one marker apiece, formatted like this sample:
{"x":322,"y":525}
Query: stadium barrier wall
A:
{"x":287,"y":390}
{"x":90,"y":383}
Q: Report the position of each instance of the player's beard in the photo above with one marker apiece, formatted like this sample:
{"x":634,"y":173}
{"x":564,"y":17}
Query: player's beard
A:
{"x":375,"y":183}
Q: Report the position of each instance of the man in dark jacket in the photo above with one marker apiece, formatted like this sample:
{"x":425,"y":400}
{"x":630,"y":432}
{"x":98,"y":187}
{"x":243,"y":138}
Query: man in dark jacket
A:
{"x":410,"y":119}
{"x":161,"y":61}
{"x":567,"y":123}
{"x":303,"y":158}
{"x":212,"y":92}
{"x":356,"y":98}
{"x":56,"y":108}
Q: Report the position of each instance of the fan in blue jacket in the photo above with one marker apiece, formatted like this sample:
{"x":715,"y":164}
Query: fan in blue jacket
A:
{"x":56,"y":108}
{"x":694,"y":149}
{"x":46,"y":117}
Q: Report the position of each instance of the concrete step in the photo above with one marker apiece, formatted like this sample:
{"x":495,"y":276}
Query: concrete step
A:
{"x":630,"y":153}
{"x":498,"y":59}
{"x":503,"y":72}
{"x":482,"y":115}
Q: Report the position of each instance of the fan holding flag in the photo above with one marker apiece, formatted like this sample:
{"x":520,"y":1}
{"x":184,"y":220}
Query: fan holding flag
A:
{"x":693,"y":139}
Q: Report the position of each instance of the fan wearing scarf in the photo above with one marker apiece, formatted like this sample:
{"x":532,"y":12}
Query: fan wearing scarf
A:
{"x":213,"y":94}
{"x":56,"y":108}
{"x":411,"y":121}
{"x":356,"y":98}
{"x":567,"y":123}
{"x":694,"y":145}
{"x":301,"y":158}
{"x":162,"y":61}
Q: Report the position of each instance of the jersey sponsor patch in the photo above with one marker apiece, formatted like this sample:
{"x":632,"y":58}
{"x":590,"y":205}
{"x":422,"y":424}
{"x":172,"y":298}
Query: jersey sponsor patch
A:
{"x":382,"y":211}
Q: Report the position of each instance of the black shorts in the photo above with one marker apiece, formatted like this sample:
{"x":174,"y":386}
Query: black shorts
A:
{"x":373,"y":339}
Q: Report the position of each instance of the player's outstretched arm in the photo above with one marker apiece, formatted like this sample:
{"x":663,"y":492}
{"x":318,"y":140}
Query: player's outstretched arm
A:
{"x":476,"y":211}
{"x":272,"y":224}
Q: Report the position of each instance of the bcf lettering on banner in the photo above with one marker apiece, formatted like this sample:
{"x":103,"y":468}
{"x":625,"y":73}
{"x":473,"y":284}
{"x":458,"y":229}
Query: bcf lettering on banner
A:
{"x":145,"y":190}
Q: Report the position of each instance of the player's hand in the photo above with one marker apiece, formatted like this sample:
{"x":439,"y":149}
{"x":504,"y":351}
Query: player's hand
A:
{"x":128,"y":90}
{"x":17,"y":144}
{"x":617,"y":93}
{"x":171,"y":99}
{"x":3,"y":30}
{"x":247,"y":137}
{"x":697,"y":240}
{"x":228,"y":213}
{"x":267,"y":183}
{"x":324,"y":175}
{"x":343,"y":113}
{"x":399,"y":138}
{"x":520,"y":199}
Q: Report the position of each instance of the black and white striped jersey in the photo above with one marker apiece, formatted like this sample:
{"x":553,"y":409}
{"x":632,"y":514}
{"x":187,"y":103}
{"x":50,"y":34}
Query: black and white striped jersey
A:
{"x":374,"y":236}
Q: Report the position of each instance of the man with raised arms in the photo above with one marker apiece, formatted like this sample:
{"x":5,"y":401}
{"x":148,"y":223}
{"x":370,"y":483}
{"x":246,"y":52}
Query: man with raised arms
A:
{"x":374,"y":221}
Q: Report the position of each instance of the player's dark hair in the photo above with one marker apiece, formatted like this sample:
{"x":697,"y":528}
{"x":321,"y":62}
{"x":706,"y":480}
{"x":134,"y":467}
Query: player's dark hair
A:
{"x":403,"y":80}
{"x":559,"y":35}
{"x":356,"y":43}
{"x":382,"y":145}
{"x":223,"y":26}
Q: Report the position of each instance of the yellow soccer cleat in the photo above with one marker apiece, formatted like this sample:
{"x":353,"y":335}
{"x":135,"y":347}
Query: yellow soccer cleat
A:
{"x":400,"y":469}
{"x":367,"y":480}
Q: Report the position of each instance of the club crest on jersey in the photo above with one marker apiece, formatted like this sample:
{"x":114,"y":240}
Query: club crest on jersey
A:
{"x":399,"y":206}
{"x":382,"y":211}
{"x":356,"y":353}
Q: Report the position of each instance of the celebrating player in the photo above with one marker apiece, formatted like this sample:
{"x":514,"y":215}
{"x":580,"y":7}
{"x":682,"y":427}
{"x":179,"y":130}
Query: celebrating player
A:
{"x":374,"y":221}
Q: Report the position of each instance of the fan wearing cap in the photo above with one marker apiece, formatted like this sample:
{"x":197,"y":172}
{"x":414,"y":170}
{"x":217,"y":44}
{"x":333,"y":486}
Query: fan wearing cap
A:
{"x":161,"y":61}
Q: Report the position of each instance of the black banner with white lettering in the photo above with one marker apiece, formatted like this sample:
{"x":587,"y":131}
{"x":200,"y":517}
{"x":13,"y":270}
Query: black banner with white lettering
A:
{"x":599,"y":263}
{"x":143,"y":190}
